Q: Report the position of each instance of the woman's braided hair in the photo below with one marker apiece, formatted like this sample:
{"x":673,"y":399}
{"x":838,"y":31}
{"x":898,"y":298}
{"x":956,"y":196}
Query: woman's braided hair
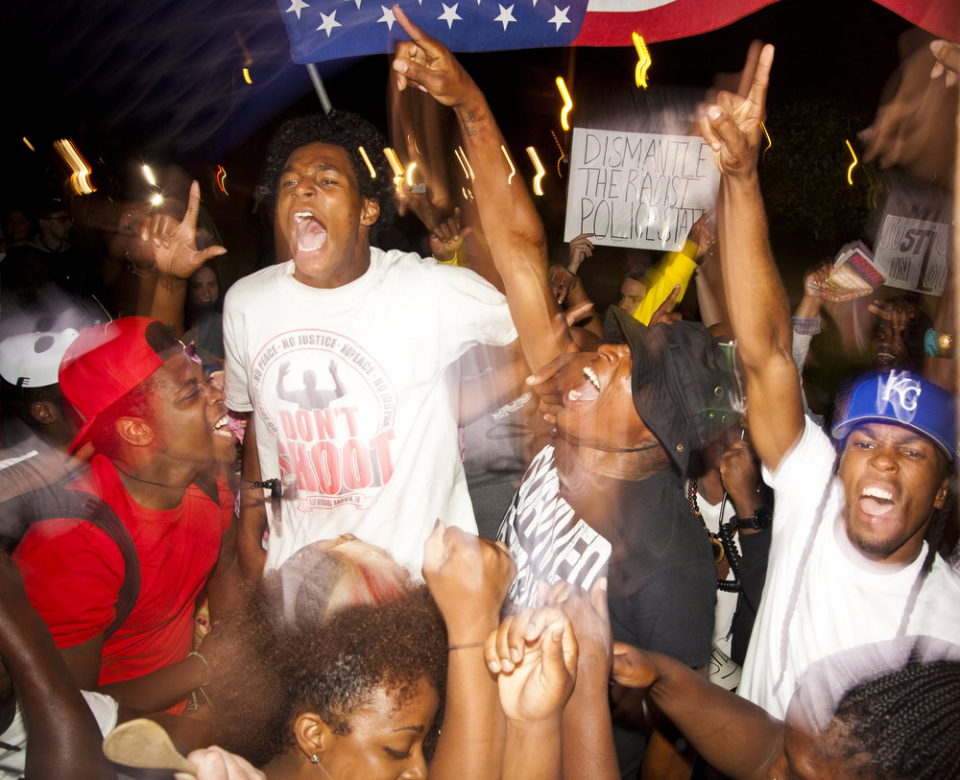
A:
{"x":903,"y":725}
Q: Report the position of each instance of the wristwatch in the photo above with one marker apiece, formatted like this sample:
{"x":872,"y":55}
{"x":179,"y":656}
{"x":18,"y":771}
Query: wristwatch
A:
{"x":760,"y":520}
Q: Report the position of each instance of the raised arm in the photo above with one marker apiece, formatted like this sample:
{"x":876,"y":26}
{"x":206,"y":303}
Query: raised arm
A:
{"x":510,"y":222}
{"x":534,"y":655}
{"x":756,"y":301}
{"x":468,"y":578}
{"x":177,"y":257}
{"x":588,"y":748}
{"x":941,"y":366}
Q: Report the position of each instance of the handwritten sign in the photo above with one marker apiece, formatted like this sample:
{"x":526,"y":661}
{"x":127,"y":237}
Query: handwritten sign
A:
{"x":638,"y":189}
{"x":912,"y":254}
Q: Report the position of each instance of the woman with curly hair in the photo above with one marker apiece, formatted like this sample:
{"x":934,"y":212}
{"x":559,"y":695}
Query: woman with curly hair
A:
{"x":340,"y":668}
{"x":354,"y":696}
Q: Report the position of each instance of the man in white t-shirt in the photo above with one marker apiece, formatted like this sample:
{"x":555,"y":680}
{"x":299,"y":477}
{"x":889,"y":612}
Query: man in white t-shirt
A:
{"x":339,"y":355}
{"x":849,"y":563}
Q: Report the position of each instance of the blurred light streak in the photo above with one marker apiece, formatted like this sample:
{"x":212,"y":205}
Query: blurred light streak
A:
{"x":769,"y":142}
{"x":468,"y":194}
{"x":396,"y":166}
{"x":148,"y":175}
{"x":247,"y":59}
{"x":80,"y":178}
{"x":246,"y":76}
{"x":221,"y":178}
{"x":394,"y":161}
{"x":410,"y":174}
{"x":852,"y":165}
{"x":645,"y":62}
{"x":537,"y":186}
{"x":464,"y":163}
{"x":513,"y":170}
{"x":563,"y":155}
{"x":567,"y":103}
{"x":363,"y":154}
{"x":29,"y":145}
{"x":156,"y":199}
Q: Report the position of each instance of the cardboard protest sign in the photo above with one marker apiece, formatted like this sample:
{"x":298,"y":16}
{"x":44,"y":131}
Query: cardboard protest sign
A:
{"x":638,"y":189}
{"x":912,"y":254}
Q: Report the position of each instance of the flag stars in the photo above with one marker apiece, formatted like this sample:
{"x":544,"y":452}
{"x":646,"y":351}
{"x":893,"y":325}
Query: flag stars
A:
{"x":450,"y":15}
{"x":329,"y":22}
{"x":387,"y":17}
{"x":296,"y":7}
{"x":506,"y":16}
{"x":356,"y":1}
{"x":559,"y":17}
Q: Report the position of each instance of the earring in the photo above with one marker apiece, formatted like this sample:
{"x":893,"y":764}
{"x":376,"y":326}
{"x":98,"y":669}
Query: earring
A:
{"x":314,"y":759}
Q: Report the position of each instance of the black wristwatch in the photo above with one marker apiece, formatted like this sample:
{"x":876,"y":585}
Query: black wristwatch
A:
{"x":760,"y":520}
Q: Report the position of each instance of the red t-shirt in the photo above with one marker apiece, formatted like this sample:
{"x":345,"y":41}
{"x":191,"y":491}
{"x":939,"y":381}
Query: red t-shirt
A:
{"x":73,"y":571}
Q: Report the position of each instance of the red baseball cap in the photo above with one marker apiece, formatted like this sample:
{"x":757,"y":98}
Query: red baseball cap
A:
{"x":108,"y":361}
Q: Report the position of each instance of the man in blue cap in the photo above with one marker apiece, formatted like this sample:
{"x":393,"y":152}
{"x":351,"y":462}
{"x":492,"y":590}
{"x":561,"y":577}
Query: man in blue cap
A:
{"x":853,"y":555}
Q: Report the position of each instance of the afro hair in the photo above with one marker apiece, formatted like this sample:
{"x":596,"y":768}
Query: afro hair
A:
{"x":271,"y":673}
{"x":338,"y":128}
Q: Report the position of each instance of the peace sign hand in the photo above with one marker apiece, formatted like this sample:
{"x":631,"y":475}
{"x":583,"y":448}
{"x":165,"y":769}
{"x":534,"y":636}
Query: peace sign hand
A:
{"x":732,"y":125}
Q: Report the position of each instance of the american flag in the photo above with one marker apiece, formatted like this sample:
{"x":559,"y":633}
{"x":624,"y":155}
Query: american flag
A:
{"x":330,"y":29}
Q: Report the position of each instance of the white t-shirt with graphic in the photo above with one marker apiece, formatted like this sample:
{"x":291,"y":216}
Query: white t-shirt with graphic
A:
{"x":843,"y":599}
{"x":349,"y":401}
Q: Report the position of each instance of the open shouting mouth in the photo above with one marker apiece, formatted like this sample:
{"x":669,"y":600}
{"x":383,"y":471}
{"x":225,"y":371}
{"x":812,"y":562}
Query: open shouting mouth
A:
{"x":308,"y":232}
{"x":586,"y":393}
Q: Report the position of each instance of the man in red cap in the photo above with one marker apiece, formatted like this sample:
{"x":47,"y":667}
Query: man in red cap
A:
{"x":157,"y":429}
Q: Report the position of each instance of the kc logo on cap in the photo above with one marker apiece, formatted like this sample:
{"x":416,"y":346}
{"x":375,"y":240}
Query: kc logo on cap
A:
{"x":901,"y":391}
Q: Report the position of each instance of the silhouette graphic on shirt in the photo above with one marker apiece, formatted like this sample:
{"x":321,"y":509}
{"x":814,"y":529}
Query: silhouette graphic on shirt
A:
{"x":310,"y":396}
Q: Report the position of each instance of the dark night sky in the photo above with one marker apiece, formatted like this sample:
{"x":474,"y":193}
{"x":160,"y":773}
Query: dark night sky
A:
{"x":165,"y":77}
{"x":132,"y":80}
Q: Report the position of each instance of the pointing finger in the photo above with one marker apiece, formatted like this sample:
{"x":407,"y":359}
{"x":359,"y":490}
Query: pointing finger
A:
{"x":429,"y":44}
{"x":193,"y":207}
{"x":761,"y":79}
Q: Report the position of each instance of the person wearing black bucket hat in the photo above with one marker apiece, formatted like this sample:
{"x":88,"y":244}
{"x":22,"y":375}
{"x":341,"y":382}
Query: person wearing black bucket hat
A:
{"x":604,"y":501}
{"x":853,"y":555}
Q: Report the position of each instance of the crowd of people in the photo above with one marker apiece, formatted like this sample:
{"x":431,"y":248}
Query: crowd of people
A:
{"x":379,"y":514}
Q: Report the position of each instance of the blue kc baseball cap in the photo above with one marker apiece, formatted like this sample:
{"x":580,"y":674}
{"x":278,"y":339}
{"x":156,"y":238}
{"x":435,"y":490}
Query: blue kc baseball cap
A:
{"x":904,"y":398}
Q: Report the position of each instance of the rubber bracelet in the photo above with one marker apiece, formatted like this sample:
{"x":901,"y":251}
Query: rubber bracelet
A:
{"x":195,"y":654}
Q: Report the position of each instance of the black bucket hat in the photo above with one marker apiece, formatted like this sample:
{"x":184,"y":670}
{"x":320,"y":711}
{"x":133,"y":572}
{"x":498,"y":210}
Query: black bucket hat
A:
{"x":683,"y":385}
